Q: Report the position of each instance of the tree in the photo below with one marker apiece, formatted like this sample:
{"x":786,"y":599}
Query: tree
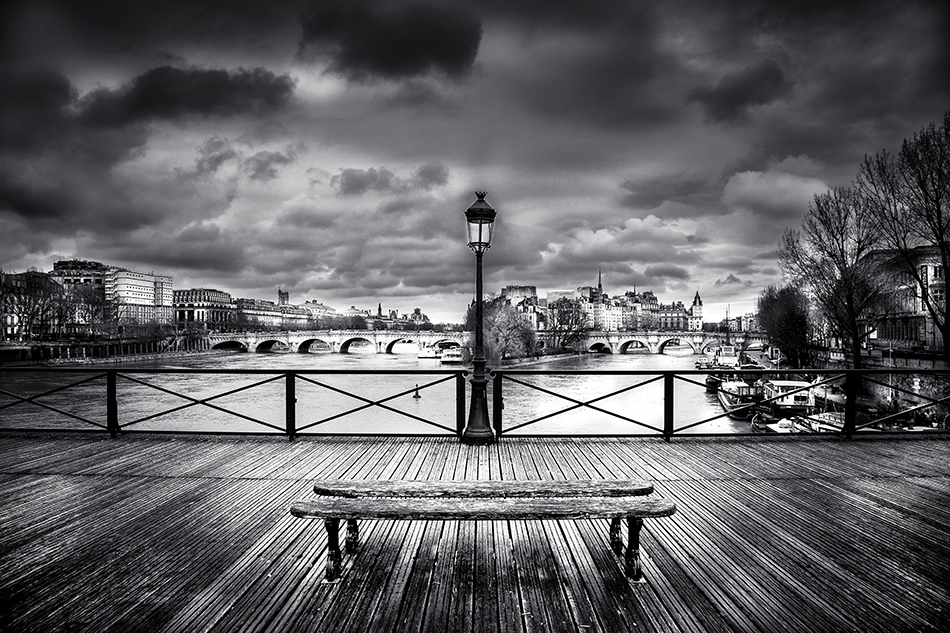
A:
{"x":783,"y":315}
{"x":909,"y":197}
{"x":30,"y":298}
{"x":832,"y":258}
{"x":566,"y":323}
{"x":507,"y":334}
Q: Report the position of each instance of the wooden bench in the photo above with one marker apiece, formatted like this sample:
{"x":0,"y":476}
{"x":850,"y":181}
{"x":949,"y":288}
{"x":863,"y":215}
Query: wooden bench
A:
{"x":351,"y":500}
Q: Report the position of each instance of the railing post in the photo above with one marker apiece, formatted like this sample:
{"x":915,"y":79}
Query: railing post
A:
{"x":460,"y":402}
{"x":497,"y":404}
{"x":667,"y":406}
{"x":290,"y":394}
{"x":852,"y":383}
{"x":112,"y":404}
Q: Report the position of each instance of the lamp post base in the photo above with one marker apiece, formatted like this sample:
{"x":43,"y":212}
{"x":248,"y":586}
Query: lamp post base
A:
{"x":478,"y":431}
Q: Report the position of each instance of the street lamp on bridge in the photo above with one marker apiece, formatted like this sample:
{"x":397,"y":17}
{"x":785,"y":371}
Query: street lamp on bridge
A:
{"x":480,"y":218}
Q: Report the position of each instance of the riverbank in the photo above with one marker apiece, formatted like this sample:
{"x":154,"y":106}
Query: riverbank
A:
{"x":108,"y":360}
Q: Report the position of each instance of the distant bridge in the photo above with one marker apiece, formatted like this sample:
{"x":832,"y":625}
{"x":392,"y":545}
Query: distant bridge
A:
{"x":656,"y":342}
{"x":337,"y":341}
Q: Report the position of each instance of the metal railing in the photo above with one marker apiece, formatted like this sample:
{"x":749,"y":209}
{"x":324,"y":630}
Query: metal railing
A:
{"x":298,"y":402}
{"x":126,"y":392}
{"x":853,"y":404}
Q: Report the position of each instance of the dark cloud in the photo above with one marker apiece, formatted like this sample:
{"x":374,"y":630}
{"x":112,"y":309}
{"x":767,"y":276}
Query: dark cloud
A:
{"x":34,"y":108}
{"x":356,"y":182}
{"x":731,"y":280}
{"x":213,"y":153}
{"x":175,"y":93}
{"x":420,"y":96}
{"x":432,"y":174}
{"x":736,"y":93}
{"x":365,"y":41}
{"x":115,"y":31}
{"x":263,"y":166}
{"x":667,"y":271}
{"x":651,"y":193}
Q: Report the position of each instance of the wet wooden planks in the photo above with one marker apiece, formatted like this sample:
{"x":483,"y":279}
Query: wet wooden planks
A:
{"x":188,"y":534}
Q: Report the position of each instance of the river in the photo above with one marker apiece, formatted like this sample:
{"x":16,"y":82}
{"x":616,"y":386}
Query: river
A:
{"x":339,"y":402}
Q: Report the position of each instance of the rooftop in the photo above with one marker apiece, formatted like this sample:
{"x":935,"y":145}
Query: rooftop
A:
{"x":193,"y":533}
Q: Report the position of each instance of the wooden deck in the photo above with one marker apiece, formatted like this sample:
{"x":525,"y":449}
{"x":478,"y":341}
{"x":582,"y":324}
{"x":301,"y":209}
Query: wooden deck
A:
{"x":194,"y":534}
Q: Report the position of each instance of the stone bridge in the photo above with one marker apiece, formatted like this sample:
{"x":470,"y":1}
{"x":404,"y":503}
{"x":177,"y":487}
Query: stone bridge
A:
{"x":337,"y":341}
{"x":656,"y":342}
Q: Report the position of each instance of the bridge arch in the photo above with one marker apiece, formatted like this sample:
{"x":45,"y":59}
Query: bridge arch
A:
{"x":268,"y":345}
{"x":313,"y":344}
{"x":391,"y":344}
{"x":634,"y":344}
{"x":226,"y":345}
{"x":358,"y":340}
{"x":600,"y":348}
{"x":674,"y":340}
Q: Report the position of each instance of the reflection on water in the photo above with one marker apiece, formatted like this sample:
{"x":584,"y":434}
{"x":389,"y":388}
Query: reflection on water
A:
{"x":342,"y":403}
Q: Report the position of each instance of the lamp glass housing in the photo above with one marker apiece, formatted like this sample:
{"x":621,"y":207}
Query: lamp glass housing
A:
{"x":480,"y":218}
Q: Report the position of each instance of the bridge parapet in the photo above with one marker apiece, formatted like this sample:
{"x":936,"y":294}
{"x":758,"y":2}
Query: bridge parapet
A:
{"x":337,"y":341}
{"x":656,"y":342}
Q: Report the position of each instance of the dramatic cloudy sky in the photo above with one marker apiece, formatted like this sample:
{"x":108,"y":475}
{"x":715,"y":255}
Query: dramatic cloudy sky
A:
{"x":330,"y":147}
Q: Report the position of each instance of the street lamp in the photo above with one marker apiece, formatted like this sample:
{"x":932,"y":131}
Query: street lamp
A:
{"x":480,"y":218}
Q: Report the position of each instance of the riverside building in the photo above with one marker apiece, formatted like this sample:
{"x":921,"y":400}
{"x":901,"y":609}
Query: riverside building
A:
{"x":203,"y":308}
{"x":139,"y":298}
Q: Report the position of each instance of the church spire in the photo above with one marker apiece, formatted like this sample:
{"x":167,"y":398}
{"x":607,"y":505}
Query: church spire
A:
{"x":600,"y":286}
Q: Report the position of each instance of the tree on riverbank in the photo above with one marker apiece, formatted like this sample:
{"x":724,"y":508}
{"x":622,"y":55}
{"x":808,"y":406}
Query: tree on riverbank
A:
{"x":832,"y":259}
{"x":566,"y":323}
{"x":908,"y":195}
{"x":783,"y":314}
{"x":507,"y":333}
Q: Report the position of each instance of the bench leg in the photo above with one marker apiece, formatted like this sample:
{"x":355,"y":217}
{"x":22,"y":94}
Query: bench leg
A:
{"x":352,"y":536}
{"x":632,"y":558}
{"x":334,"y":559}
{"x":616,"y":544}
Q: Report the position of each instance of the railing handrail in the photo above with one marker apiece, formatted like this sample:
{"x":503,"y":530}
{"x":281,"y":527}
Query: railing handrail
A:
{"x":72,"y":369}
{"x":290,"y":377}
{"x":851,"y":381}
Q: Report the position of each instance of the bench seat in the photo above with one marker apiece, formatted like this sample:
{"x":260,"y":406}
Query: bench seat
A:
{"x":405,"y":500}
{"x":492,"y":489}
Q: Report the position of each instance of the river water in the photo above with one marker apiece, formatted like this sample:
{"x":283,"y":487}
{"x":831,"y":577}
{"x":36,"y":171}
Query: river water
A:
{"x":341,"y":402}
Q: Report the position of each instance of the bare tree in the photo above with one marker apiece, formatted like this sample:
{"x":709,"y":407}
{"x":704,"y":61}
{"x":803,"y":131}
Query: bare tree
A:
{"x":566,"y":322}
{"x":30,"y":299}
{"x":89,"y":304}
{"x":909,"y":195}
{"x":832,"y":258}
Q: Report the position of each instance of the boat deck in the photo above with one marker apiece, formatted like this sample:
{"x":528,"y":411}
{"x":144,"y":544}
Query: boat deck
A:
{"x":193,"y":534}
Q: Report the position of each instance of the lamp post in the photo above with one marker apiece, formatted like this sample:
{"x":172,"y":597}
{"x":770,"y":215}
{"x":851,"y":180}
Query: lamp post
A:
{"x":480,"y":218}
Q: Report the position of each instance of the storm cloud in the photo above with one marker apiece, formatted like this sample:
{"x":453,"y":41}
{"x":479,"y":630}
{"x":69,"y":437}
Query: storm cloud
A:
{"x":366,"y":41}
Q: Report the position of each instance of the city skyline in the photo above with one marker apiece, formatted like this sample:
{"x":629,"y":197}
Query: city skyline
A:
{"x":331,"y":148}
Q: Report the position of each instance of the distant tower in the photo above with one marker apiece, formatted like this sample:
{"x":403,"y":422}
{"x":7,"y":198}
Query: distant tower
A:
{"x":283,"y":297}
{"x":600,"y":286}
{"x":379,"y":311}
{"x":696,"y":314}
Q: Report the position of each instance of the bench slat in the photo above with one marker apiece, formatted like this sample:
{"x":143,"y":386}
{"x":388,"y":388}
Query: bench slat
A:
{"x":483,"y":509}
{"x":478,"y":489}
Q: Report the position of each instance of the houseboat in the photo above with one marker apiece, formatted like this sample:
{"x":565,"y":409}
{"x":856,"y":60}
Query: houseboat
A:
{"x":452,"y":356}
{"x":785,"y":398}
{"x":738,"y":398}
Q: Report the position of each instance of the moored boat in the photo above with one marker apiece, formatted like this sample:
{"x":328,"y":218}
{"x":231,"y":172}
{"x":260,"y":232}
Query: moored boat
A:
{"x":784,"y":398}
{"x":452,"y":356}
{"x":430,"y":352}
{"x":737,"y":398}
